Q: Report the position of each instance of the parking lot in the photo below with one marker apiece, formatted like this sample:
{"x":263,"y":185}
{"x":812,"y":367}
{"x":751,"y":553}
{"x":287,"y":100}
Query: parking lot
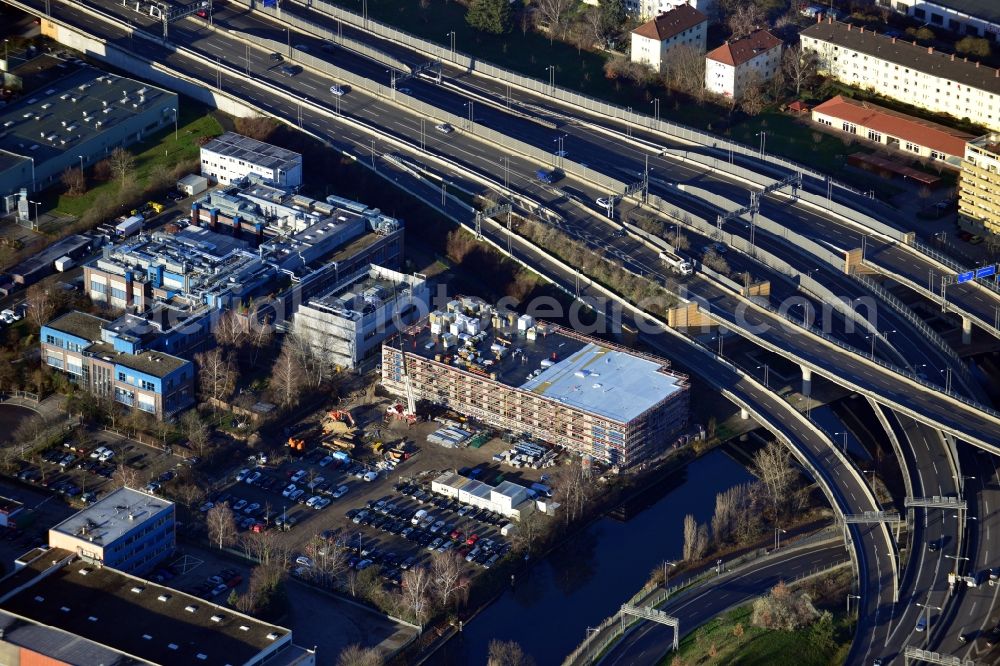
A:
{"x":82,"y":471}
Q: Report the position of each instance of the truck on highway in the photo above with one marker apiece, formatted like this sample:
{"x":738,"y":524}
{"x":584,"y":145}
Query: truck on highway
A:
{"x":680,"y":265}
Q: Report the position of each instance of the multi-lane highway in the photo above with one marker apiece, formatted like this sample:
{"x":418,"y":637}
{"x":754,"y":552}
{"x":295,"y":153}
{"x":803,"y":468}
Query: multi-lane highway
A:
{"x":650,"y":641}
{"x":849,"y":493}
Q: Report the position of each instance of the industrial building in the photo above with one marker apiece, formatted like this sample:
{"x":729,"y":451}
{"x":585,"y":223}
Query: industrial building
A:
{"x":979,"y":186}
{"x":120,"y":360}
{"x":253,"y":241}
{"x":76,"y":121}
{"x":127,"y":530}
{"x":591,"y":397}
{"x":348,"y":323}
{"x":232,"y":157}
{"x":62,"y":608}
{"x":508,"y":498}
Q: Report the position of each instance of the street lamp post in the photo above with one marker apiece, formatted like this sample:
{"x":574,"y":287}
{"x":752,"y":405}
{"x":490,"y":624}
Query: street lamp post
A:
{"x":35,"y":204}
{"x":927,"y":619}
{"x":32,"y":173}
{"x":452,"y":35}
{"x":551,"y":69}
{"x":843,"y":435}
{"x":852,"y":596}
{"x":81,"y":163}
{"x":777,"y":537}
{"x":666,"y":576}
{"x":656,"y":109}
{"x":872,"y":472}
{"x":763,"y":142}
{"x":766,"y":372}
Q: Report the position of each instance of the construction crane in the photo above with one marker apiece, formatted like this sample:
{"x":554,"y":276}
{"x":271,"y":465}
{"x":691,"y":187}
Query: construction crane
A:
{"x":411,"y":404}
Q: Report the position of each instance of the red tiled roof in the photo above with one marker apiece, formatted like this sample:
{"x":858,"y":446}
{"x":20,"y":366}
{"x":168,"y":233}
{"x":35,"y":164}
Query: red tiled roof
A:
{"x":906,"y":128}
{"x":671,"y":23}
{"x":743,"y":50}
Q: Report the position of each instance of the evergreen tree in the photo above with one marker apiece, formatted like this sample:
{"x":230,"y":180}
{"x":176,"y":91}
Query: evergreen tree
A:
{"x":489,"y":16}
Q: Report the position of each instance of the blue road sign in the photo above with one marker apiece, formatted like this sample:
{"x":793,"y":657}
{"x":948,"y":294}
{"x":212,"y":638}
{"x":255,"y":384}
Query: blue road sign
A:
{"x":986,"y":271}
{"x":965,"y":277}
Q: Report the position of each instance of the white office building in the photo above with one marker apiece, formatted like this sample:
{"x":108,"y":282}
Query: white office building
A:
{"x":348,"y":323}
{"x":901,"y":70}
{"x":647,"y":9}
{"x":732,"y":67}
{"x":653,"y":41}
{"x":232,"y":157}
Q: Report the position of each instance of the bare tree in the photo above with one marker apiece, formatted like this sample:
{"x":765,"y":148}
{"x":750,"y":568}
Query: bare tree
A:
{"x":122,"y":163}
{"x":553,"y":12}
{"x":773,"y":466}
{"x":266,"y":547}
{"x":727,"y":505}
{"x":715,"y":261}
{"x":216,"y":374}
{"x":690,"y":537}
{"x":799,"y":66}
{"x":753,"y":99}
{"x":287,"y":380}
{"x":196,"y":431}
{"x":745,"y":18}
{"x":231,"y":329}
{"x":329,"y":559}
{"x":448,"y":578}
{"x":125,"y":476}
{"x":415,"y":588}
{"x":189,"y":494}
{"x":355,"y":655}
{"x":74,"y":181}
{"x":684,"y":70}
{"x":529,"y":529}
{"x":507,"y":653}
{"x":41,"y":303}
{"x":679,"y":240}
{"x":221,"y":525}
{"x":260,"y":334}
{"x":750,"y":520}
{"x":574,"y":488}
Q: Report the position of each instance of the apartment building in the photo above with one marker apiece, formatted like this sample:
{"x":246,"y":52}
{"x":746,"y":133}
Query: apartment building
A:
{"x":751,"y":60}
{"x":653,"y":41}
{"x":978,"y":18}
{"x":901,"y":70}
{"x":232,"y":157}
{"x":114,"y":359}
{"x":128,"y":530}
{"x":647,"y":9}
{"x":914,"y":136}
{"x":979,"y":186}
{"x":596,"y":399}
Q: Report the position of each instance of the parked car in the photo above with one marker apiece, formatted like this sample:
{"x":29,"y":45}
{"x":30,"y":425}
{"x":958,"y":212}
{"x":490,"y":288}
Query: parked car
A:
{"x":370,"y":476}
{"x":297,"y":476}
{"x":304,"y":561}
{"x":253,"y":477}
{"x":326,"y":461}
{"x":238,"y":506}
{"x":340,"y":492}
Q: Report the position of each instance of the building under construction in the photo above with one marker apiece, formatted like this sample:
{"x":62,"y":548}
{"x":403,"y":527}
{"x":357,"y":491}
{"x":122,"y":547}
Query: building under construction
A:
{"x":532,"y":378}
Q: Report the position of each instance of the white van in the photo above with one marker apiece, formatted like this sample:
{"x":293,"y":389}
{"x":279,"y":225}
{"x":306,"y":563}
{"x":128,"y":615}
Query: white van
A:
{"x":419,"y":516}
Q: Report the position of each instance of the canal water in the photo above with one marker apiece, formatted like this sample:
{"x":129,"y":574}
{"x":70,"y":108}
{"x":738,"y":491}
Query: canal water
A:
{"x":586,"y":579}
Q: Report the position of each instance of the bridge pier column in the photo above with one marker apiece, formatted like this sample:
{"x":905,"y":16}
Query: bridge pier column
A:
{"x":966,"y":330}
{"x":744,"y":414}
{"x":807,"y":380}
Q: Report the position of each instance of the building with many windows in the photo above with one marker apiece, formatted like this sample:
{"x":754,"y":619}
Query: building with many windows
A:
{"x":647,"y":9}
{"x":347,"y":324}
{"x":977,"y":18}
{"x":901,"y":70}
{"x":62,"y":608}
{"x":979,"y":186}
{"x":593,"y":398}
{"x":751,"y":60}
{"x":76,"y":121}
{"x":914,"y":136}
{"x":127,"y":530}
{"x":118,"y":359}
{"x":232,"y":157}
{"x":653,"y":41}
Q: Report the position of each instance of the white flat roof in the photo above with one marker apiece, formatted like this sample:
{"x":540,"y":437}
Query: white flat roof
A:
{"x":614,"y":384}
{"x":108,"y":519}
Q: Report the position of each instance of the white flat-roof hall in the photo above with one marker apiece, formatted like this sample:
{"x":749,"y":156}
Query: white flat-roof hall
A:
{"x":231,"y":157}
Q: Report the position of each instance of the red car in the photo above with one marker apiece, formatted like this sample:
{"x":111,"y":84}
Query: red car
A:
{"x":471,"y":541}
{"x":202,"y":13}
{"x":456,"y":535}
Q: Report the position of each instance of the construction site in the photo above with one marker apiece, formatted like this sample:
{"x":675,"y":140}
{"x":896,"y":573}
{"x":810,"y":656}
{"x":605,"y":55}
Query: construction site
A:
{"x":539,"y":381}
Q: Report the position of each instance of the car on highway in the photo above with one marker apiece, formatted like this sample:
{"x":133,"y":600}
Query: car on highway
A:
{"x":302,"y":47}
{"x":290,"y":70}
{"x":328,"y":47}
{"x":993,"y":636}
{"x":405,"y":90}
{"x":337,"y":90}
{"x":202,"y":13}
{"x":444,"y":128}
{"x":933,"y":546}
{"x":921,"y":623}
{"x":276,"y":57}
{"x":604,"y":202}
{"x":562,"y":153}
